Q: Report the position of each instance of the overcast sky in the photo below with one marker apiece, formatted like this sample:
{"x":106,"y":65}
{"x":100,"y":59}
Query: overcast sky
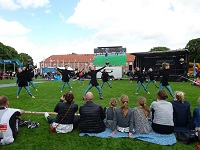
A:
{"x":42,"y":28}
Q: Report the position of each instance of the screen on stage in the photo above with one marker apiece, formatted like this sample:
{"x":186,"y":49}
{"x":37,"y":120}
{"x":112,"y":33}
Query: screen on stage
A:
{"x":116,"y":56}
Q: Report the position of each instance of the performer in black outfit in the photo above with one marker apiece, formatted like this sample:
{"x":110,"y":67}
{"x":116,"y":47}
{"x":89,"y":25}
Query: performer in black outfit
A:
{"x":30,"y":75}
{"x":93,"y":81}
{"x":105,"y":78}
{"x":164,"y":72}
{"x":79,"y":75}
{"x":141,"y":79}
{"x":22,"y":81}
{"x":183,"y":67}
{"x":150,"y":73}
{"x":65,"y":77}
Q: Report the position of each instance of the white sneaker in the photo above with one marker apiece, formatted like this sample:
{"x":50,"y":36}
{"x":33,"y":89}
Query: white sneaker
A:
{"x":46,"y":115}
{"x":17,"y":96}
{"x":36,"y":90}
{"x":61,"y":91}
{"x":32,"y":96}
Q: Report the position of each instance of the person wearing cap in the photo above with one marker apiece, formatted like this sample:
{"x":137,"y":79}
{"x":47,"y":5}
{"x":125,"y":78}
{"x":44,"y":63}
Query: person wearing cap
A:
{"x":9,"y":118}
{"x":91,"y":116}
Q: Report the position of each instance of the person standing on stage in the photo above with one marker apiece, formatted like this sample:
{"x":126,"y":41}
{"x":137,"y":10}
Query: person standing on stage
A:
{"x":22,"y":81}
{"x":164,"y":72}
{"x":141,"y":79}
{"x":150,"y":73}
{"x":65,"y":77}
{"x":93,"y":81}
{"x":105,"y":78}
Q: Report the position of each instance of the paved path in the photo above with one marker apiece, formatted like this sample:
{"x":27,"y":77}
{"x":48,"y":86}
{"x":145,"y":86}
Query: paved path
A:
{"x":13,"y":84}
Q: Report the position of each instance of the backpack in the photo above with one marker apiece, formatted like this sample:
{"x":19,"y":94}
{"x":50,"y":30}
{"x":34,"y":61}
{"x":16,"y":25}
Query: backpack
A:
{"x":186,"y":138}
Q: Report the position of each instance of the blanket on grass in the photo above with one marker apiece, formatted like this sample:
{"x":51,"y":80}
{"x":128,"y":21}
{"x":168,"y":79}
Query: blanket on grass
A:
{"x":161,"y":139}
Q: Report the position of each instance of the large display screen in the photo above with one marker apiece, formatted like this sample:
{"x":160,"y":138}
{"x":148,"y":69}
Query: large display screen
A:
{"x":116,"y":56}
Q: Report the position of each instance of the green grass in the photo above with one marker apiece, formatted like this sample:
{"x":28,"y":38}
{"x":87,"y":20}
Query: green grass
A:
{"x":49,"y":94}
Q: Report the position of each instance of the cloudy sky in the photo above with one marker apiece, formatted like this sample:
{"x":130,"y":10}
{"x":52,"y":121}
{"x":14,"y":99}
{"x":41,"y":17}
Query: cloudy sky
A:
{"x":42,"y":28}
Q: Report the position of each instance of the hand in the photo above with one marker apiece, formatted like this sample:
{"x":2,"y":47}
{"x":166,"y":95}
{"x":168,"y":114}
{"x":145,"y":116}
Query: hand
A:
{"x":62,"y":97}
{"x":130,"y":134}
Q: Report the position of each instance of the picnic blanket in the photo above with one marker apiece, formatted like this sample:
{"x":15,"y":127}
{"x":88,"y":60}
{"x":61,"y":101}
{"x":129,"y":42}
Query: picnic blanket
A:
{"x":152,"y":137}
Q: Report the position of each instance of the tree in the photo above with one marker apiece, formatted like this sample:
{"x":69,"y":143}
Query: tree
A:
{"x":193,"y":47}
{"x":159,"y":48}
{"x":23,"y":57}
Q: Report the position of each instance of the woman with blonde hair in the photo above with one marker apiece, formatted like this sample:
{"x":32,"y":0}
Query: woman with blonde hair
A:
{"x":181,"y":112}
{"x":123,"y":117}
{"x":141,"y":116}
{"x":109,"y":112}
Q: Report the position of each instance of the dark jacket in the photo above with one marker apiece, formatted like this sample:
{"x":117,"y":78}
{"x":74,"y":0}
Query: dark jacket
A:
{"x":22,"y":78}
{"x":165,"y":76}
{"x":140,"y":75}
{"x":91,"y":118}
{"x":182,"y":115}
{"x":62,"y":108}
{"x":65,"y":74}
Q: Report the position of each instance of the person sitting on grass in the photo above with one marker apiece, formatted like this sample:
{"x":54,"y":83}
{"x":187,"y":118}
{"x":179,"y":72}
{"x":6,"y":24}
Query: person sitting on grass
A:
{"x":123,"y":117}
{"x":91,"y":116}
{"x":196,"y":116}
{"x":141,"y":116}
{"x":181,"y":112}
{"x":9,"y":119}
{"x":162,"y":114}
{"x":109,"y":112}
{"x":66,"y":120}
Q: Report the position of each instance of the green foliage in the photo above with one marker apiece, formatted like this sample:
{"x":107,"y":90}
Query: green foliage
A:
{"x":193,"y":47}
{"x":23,"y":57}
{"x":159,"y":48}
{"x":48,"y":96}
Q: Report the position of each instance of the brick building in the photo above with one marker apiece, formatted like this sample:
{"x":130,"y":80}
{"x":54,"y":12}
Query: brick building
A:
{"x":79,"y":61}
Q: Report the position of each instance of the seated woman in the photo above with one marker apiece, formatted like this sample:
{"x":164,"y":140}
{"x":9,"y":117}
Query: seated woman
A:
{"x":162,"y":114}
{"x":141,"y":114}
{"x":123,"y":117}
{"x":182,"y":115}
{"x":109,"y":112}
{"x":66,"y":120}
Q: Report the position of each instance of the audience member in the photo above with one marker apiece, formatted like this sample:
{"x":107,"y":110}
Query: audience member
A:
{"x":123,"y":117}
{"x":141,"y":116}
{"x":66,"y":119}
{"x":91,"y":116}
{"x":9,"y":118}
{"x":196,"y":116}
{"x":162,"y":114}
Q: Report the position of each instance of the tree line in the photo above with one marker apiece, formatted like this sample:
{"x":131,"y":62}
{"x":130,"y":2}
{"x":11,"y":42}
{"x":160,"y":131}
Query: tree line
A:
{"x":7,"y":52}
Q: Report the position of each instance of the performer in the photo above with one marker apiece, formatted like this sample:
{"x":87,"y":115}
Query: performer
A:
{"x":65,"y":77}
{"x":105,"y":78}
{"x":93,"y":81}
{"x":141,"y":79}
{"x":130,"y":75}
{"x":22,"y":81}
{"x":79,"y":75}
{"x":150,"y":73}
{"x":183,"y":67}
{"x":164,"y":72}
{"x":30,"y":75}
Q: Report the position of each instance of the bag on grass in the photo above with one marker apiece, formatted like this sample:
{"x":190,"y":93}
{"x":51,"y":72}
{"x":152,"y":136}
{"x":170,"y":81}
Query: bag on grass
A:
{"x":186,"y":138}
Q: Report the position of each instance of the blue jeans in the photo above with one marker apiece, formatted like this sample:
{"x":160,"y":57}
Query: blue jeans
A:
{"x":151,"y":81}
{"x":168,"y":88}
{"x":63,"y":85}
{"x":107,"y":82}
{"x":139,"y":85}
{"x":90,"y":86}
{"x":26,"y":88}
{"x":32,"y":84}
{"x":79,"y":80}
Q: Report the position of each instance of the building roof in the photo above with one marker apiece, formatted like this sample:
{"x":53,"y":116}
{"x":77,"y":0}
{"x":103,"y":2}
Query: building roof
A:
{"x":78,"y":58}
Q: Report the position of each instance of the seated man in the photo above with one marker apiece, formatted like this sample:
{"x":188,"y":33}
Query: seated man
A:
{"x":8,"y":122}
{"x":91,"y":116}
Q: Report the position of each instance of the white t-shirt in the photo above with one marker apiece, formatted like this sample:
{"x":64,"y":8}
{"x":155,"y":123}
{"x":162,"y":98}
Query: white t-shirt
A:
{"x":163,"y":112}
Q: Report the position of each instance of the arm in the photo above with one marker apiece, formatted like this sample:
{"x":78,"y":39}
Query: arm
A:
{"x":100,"y":69}
{"x":160,"y":72}
{"x":114,"y":126}
{"x":131,"y":125}
{"x":102,"y":114}
{"x":56,"y":108}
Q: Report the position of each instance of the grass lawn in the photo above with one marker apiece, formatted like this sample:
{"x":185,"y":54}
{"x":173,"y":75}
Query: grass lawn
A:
{"x":49,"y":94}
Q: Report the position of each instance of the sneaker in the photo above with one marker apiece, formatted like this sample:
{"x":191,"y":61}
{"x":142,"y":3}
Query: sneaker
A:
{"x":101,"y":98}
{"x":46,"y":115}
{"x":36,"y":90}
{"x":71,"y":87}
{"x":136,"y":93}
{"x":61,"y":91}
{"x":148,"y":93}
{"x":17,"y":96}
{"x":32,"y":96}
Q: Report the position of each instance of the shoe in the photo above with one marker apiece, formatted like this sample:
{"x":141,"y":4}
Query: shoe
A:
{"x":46,"y":115}
{"x":70,"y":91}
{"x":17,"y":96}
{"x":111,"y":87}
{"x":71,"y":87}
{"x":36,"y":90}
{"x":148,"y":93}
{"x":61,"y":91}
{"x":136,"y":93}
{"x":101,"y":98}
{"x":32,"y":96}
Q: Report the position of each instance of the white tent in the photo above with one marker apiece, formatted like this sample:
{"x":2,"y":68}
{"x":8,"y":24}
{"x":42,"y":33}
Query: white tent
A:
{"x":69,"y":68}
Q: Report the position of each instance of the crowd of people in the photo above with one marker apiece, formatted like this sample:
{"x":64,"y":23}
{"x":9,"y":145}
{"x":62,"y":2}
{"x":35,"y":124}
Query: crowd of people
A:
{"x":162,"y":117}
